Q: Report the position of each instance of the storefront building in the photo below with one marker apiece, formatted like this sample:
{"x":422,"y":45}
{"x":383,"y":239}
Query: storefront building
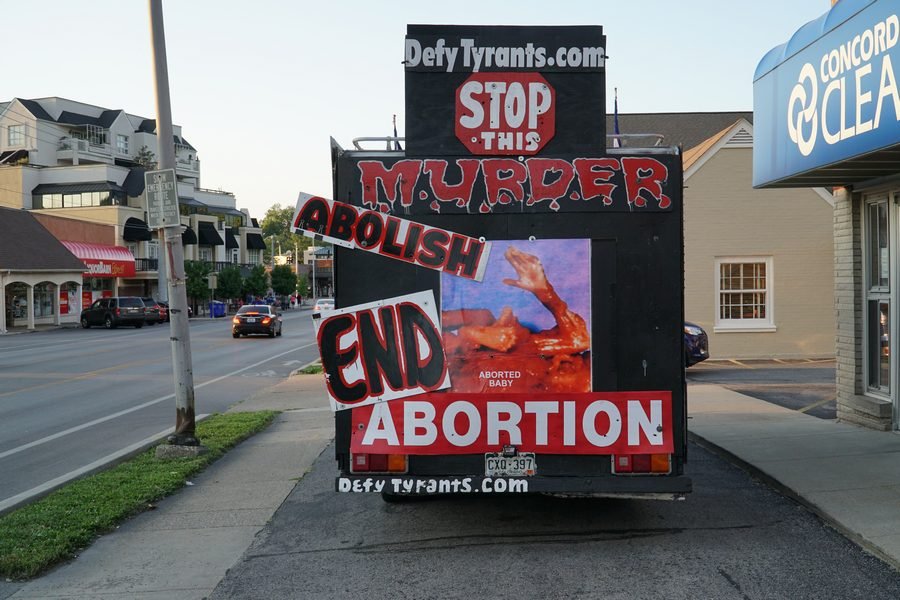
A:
{"x":827,"y":113}
{"x":40,"y":280}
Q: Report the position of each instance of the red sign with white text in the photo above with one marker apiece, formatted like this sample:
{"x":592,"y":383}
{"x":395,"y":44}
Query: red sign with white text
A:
{"x":505,"y":113}
{"x":577,"y":423}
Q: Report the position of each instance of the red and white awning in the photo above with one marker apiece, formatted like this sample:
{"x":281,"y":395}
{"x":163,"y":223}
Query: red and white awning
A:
{"x":102,"y":260}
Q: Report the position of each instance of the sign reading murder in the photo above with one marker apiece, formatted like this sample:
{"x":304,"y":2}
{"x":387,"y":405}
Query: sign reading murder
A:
{"x":504,"y":90}
{"x":537,"y":184}
{"x":451,"y":423}
{"x":382,"y":350}
{"x":505,"y":113}
{"x":372,"y":230}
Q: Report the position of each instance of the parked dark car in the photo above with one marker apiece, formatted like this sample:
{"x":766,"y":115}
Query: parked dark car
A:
{"x":696,"y":344}
{"x":115,"y":311}
{"x":256,"y":318}
{"x":154,"y":312}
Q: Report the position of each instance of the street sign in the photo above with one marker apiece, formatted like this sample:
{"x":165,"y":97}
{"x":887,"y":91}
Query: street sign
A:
{"x":162,"y":199}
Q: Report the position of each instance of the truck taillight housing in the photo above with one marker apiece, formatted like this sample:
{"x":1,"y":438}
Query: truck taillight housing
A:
{"x":642,"y":464}
{"x":378,"y":463}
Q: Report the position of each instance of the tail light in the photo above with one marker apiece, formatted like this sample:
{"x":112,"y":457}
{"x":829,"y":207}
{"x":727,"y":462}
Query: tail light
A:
{"x":266,"y":320}
{"x":654,"y":464}
{"x":378,"y":463}
{"x":118,"y":312}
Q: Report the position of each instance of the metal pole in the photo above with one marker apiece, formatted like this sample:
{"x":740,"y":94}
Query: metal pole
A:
{"x":180,"y":333}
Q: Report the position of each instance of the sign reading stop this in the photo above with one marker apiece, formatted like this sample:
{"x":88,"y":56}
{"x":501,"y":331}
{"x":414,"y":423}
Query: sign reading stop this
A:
{"x":505,"y":113}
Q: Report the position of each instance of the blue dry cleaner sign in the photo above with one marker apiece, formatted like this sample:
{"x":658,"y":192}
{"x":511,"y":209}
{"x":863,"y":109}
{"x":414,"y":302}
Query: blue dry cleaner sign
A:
{"x":835,"y":99}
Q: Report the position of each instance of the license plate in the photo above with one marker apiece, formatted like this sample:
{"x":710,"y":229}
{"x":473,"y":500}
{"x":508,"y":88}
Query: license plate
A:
{"x":251,"y":320}
{"x":520,"y":465}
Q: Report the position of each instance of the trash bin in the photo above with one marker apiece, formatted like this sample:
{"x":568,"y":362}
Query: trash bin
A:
{"x":216,"y":309}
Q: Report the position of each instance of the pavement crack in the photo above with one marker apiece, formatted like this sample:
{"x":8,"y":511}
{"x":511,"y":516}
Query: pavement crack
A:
{"x":733,"y":583}
{"x":490,"y":539}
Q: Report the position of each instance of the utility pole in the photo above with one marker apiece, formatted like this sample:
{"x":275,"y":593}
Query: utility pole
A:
{"x":173,"y":251}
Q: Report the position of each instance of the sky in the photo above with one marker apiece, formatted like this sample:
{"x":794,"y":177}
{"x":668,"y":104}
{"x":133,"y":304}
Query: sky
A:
{"x":260,"y":87}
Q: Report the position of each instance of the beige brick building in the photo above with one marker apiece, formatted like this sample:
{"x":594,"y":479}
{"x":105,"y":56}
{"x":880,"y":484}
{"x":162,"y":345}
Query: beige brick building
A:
{"x":758,"y":266}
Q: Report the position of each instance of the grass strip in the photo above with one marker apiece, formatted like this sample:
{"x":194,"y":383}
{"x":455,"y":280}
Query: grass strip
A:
{"x":56,"y":527}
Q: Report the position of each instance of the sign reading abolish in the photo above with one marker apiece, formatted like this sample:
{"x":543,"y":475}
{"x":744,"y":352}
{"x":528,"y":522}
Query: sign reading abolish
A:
{"x":382,"y":350}
{"x":453,"y":423}
{"x":351,"y":227}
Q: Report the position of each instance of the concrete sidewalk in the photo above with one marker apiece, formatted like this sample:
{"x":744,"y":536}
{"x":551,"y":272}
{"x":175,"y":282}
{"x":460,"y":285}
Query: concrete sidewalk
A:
{"x":850,"y":476}
{"x":184,"y":547}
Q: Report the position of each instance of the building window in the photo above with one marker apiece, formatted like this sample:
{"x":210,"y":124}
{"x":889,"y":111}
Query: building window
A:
{"x":744,"y":293}
{"x":153,"y":249}
{"x":122,"y":144}
{"x":206,"y":253}
{"x":96,"y":135}
{"x":878,"y":294}
{"x":253,"y":256}
{"x":234,"y":255}
{"x":15,"y":135}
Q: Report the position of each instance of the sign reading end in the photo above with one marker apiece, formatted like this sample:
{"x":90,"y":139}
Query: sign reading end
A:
{"x":162,"y":199}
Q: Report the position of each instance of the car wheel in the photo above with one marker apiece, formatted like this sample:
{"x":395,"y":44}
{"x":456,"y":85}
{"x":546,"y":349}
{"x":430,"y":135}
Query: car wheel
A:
{"x":279,"y":332}
{"x":138,"y":325}
{"x":272,"y":333}
{"x":84,"y":323}
{"x":109,"y":323}
{"x":235,"y":335}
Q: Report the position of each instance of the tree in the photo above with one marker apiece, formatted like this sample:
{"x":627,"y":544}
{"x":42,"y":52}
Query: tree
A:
{"x":145,"y":158}
{"x":284,"y":280}
{"x":276,"y":225}
{"x":197,"y":275}
{"x":229,"y":282}
{"x":257,"y":282}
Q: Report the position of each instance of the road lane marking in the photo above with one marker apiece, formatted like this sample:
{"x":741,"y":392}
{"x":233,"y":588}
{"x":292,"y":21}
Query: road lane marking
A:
{"x":816,"y":404}
{"x":116,"y":415}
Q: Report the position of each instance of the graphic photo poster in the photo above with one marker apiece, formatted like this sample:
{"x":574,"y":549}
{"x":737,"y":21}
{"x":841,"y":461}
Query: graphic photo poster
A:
{"x":526,"y":327}
{"x":381,"y":233}
{"x":382,"y":350}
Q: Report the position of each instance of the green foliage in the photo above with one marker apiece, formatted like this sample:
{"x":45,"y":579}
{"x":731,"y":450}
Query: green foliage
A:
{"x":145,"y":158}
{"x":284,"y":280}
{"x":196,"y":273}
{"x":55,"y":528}
{"x":229,"y":282}
{"x":257,"y":283}
{"x":312,"y":369}
{"x":276,"y":224}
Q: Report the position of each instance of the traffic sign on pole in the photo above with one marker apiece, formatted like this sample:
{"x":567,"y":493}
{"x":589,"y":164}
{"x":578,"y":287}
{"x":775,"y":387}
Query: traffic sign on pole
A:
{"x":162,"y":199}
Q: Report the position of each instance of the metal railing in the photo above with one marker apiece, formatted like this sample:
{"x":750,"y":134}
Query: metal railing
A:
{"x":152,"y":264}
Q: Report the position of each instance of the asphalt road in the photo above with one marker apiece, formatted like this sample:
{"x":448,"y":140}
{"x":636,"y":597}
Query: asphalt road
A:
{"x":72,"y":400}
{"x":732,"y":538}
{"x":802,"y":385}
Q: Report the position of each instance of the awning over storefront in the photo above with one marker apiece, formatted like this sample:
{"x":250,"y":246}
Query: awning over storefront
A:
{"x":188,"y":237}
{"x":230,"y":239}
{"x":136,"y":230}
{"x":77,"y":188}
{"x":255,"y":241}
{"x":826,"y":104}
{"x":102,"y":260}
{"x":207,"y":234}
